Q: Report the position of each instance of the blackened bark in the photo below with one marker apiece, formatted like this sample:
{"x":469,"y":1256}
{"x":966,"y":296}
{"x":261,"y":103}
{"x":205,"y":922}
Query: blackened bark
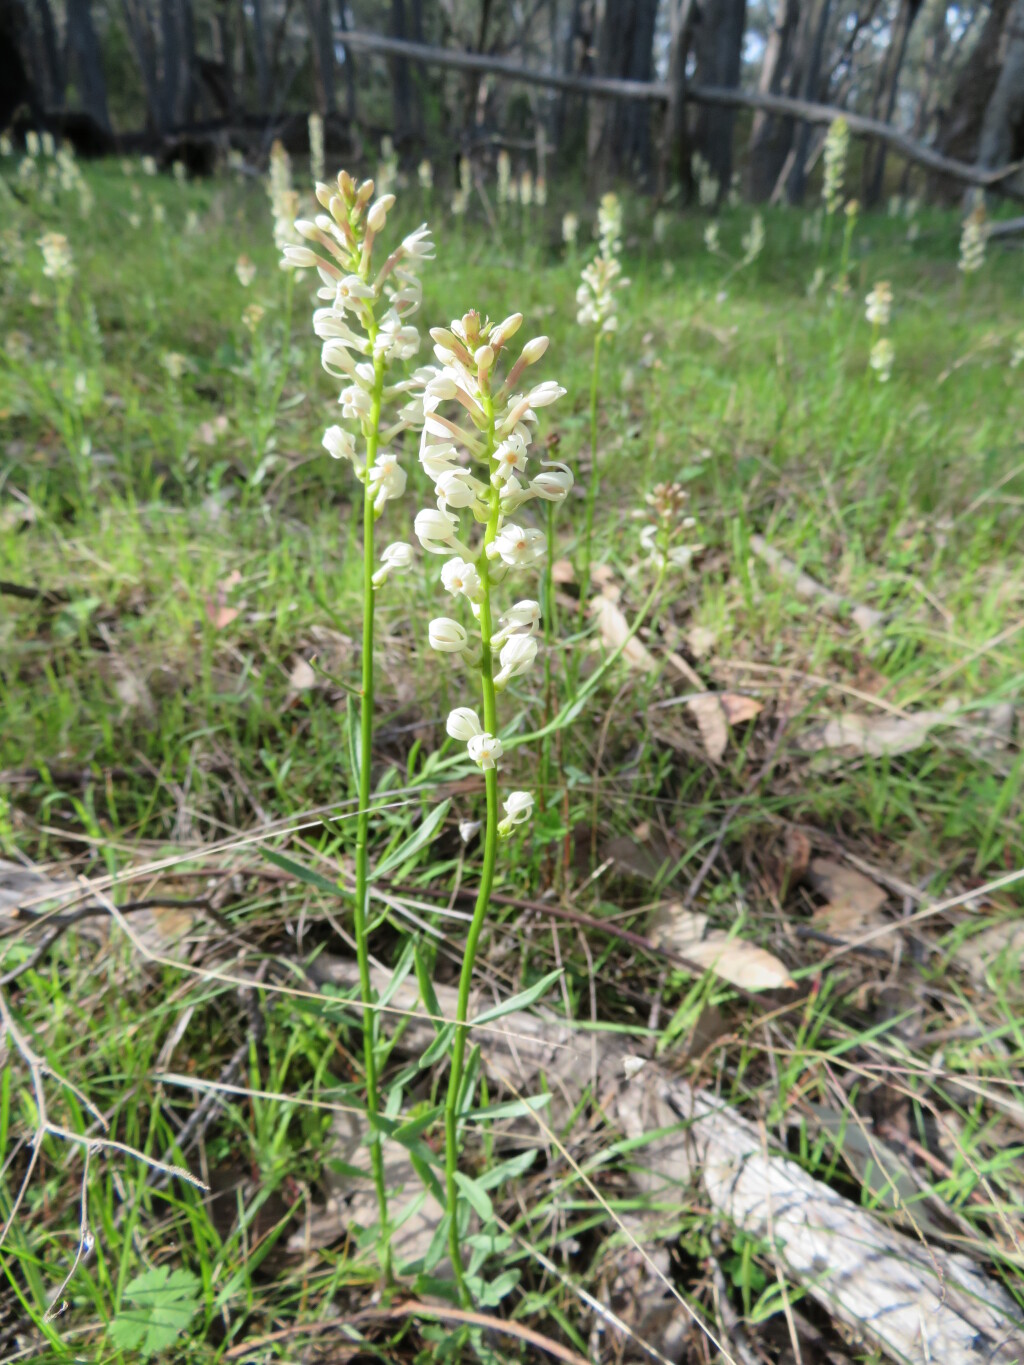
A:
{"x":1002,"y":129}
{"x":141,"y":37}
{"x":86,"y":61}
{"x":771,"y":137}
{"x":619,"y":139}
{"x":960,"y":122}
{"x":888,"y":84}
{"x":321,"y":38}
{"x":350,"y":71}
{"x":259,"y":47}
{"x":675,"y":150}
{"x":401,"y":84}
{"x":797,"y":182}
{"x":719,"y":49}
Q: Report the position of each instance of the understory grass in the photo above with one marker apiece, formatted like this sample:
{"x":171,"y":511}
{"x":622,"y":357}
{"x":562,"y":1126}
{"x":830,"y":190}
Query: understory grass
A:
{"x":175,"y":685}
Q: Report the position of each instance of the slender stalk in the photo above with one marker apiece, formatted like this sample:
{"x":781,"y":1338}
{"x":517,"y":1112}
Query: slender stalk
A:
{"x":363,"y":819}
{"x":592,"y":489}
{"x":490,"y":709}
{"x":549,"y":639}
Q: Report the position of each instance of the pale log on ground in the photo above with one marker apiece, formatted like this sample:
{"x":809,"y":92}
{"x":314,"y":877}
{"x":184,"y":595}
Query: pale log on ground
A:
{"x":916,"y":1303}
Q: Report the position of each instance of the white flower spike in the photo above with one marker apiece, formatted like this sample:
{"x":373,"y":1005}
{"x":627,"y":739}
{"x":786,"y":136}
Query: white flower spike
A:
{"x":518,"y":809}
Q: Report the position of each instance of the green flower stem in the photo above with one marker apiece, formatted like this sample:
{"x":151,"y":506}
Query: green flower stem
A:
{"x":549,"y":640}
{"x":363,"y":818}
{"x":490,"y":707}
{"x":588,"y":527}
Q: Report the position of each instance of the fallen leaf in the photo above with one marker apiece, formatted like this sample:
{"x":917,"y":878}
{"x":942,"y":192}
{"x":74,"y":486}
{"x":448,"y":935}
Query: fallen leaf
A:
{"x":562,"y":572}
{"x":982,"y":952}
{"x":603,"y":576}
{"x":811,"y":590}
{"x":711,"y":722}
{"x":741,"y":963}
{"x":854,"y":901}
{"x":615,"y":629}
{"x":219,"y":616}
{"x":874,"y":735}
{"x":700,"y":641}
{"x":738,"y":708}
{"x":675,"y":927}
{"x":302,"y":677}
{"x":796,"y":857}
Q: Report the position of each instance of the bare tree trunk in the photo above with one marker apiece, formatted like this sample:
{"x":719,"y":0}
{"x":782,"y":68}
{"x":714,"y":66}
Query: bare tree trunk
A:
{"x":960,"y":122}
{"x":259,"y":47}
{"x":770,"y":137}
{"x":1002,"y":129}
{"x":888,"y":84}
{"x":574,"y":60}
{"x":797,"y":182}
{"x":49,"y":67}
{"x":719,"y":52}
{"x":350,"y":71}
{"x":401,"y":81}
{"x":141,"y":37}
{"x":618,"y":132}
{"x":673,"y":162}
{"x":321,"y":39}
{"x":934,"y":51}
{"x":87,"y":61}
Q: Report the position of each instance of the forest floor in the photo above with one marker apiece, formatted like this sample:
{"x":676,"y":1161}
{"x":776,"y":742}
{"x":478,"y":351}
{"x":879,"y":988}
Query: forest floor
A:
{"x":829,"y":770}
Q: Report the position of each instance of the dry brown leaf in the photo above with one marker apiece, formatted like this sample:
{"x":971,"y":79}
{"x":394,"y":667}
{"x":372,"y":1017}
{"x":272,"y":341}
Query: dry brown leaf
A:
{"x":796,"y":856}
{"x":741,"y":963}
{"x":219,"y":616}
{"x":302,"y":677}
{"x":209,"y":432}
{"x":982,"y":952}
{"x":875,"y":735}
{"x":615,"y":629}
{"x":562,"y":572}
{"x":854,"y":901}
{"x":700,"y":641}
{"x":738,"y":708}
{"x":711,"y":722}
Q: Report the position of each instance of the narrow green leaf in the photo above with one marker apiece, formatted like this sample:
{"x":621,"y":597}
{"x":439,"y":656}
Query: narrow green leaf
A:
{"x":506,"y":1170}
{"x":426,"y":983}
{"x":440,"y":1047}
{"x":420,"y":836}
{"x":519,"y":1002}
{"x":479,"y":1200}
{"x":304,"y":874}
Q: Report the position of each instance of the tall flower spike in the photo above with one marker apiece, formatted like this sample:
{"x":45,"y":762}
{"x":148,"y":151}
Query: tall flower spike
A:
{"x":370,"y":295}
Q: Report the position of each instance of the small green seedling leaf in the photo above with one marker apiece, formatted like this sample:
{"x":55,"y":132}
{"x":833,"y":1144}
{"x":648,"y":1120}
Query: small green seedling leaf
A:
{"x":478,"y":1199}
{"x":162,"y":1303}
{"x":518,"y":1002}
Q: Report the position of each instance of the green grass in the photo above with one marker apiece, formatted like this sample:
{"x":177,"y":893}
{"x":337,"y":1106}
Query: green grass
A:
{"x":205,"y":543}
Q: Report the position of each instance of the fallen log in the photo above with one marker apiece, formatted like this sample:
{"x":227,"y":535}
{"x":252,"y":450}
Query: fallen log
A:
{"x":916,"y":1303}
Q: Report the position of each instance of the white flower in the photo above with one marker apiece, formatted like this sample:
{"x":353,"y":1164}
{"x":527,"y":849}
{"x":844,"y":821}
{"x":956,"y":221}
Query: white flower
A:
{"x":517,"y":655}
{"x":245,"y":271}
{"x":418,"y":244}
{"x":879,"y":304}
{"x":518,"y":809}
{"x":435,"y":531}
{"x":511,"y":456}
{"x":543,"y":394}
{"x":447,"y":636}
{"x":553,"y":483}
{"x":387,"y":479}
{"x":464,"y":724}
{"x":711,"y":238}
{"x":437,"y":460}
{"x":395,"y":340}
{"x":425,"y":174}
{"x":57,"y":260}
{"x":517,"y":547}
{"x":485,"y":750}
{"x":378,"y":214}
{"x":396,"y":557}
{"x":355,"y":402}
{"x":881,"y":359}
{"x":570,"y":228}
{"x":457,"y":488}
{"x":339,"y":443}
{"x":460,"y":576}
{"x":524,"y":617}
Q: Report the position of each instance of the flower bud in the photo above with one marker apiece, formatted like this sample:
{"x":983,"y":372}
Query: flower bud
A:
{"x":339,"y":443}
{"x":464,"y":724}
{"x":518,"y":809}
{"x":506,"y":330}
{"x":447,"y":636}
{"x":517,"y":655}
{"x":533,"y":350}
{"x":378,"y":214}
{"x":553,"y":483}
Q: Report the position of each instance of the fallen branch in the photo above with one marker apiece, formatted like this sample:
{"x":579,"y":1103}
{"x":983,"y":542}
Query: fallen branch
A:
{"x":916,"y":1303}
{"x":659,"y":92}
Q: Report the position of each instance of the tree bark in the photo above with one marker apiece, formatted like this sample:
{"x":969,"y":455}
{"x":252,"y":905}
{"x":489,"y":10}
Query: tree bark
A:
{"x":141,"y":38}
{"x":1002,"y":129}
{"x":719,"y":51}
{"x":888,"y":84}
{"x":401,"y":82}
{"x":771,"y":138}
{"x":87,"y":61}
{"x":259,"y":48}
{"x":618,"y":133}
{"x":321,"y":41}
{"x":674,"y":159}
{"x":960,"y":121}
{"x":797,"y":182}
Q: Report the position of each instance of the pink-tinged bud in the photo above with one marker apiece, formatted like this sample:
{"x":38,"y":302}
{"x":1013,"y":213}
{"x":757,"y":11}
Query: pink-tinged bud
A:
{"x":533,"y":350}
{"x":505,"y":330}
{"x":378,"y":214}
{"x":483,"y":359}
{"x":301,"y":256}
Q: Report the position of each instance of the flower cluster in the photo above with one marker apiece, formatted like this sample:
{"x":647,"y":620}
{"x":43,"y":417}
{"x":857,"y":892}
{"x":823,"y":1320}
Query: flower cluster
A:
{"x":753,"y":240}
{"x":316,"y":147}
{"x":245,"y":271}
{"x":570,"y":229}
{"x":602,"y":277}
{"x":707,"y":182}
{"x":284,"y":201}
{"x":837,"y":146}
{"x":973,"y":239}
{"x":881,"y":359}
{"x":480,"y":470}
{"x":58,"y":263}
{"x":667,"y":501}
{"x":879,"y":304}
{"x":360,"y":345}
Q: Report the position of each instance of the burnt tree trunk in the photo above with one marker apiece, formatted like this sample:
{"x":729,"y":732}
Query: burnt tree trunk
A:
{"x":1002,"y":129}
{"x":771,"y":137}
{"x":401,"y":81}
{"x":321,"y":41}
{"x":673,"y":163}
{"x":719,"y":50}
{"x":960,"y":122}
{"x":259,"y":52}
{"x":885,"y":96}
{"x":350,"y":71}
{"x":619,"y":131}
{"x":797,"y":182}
{"x":86,"y":61}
